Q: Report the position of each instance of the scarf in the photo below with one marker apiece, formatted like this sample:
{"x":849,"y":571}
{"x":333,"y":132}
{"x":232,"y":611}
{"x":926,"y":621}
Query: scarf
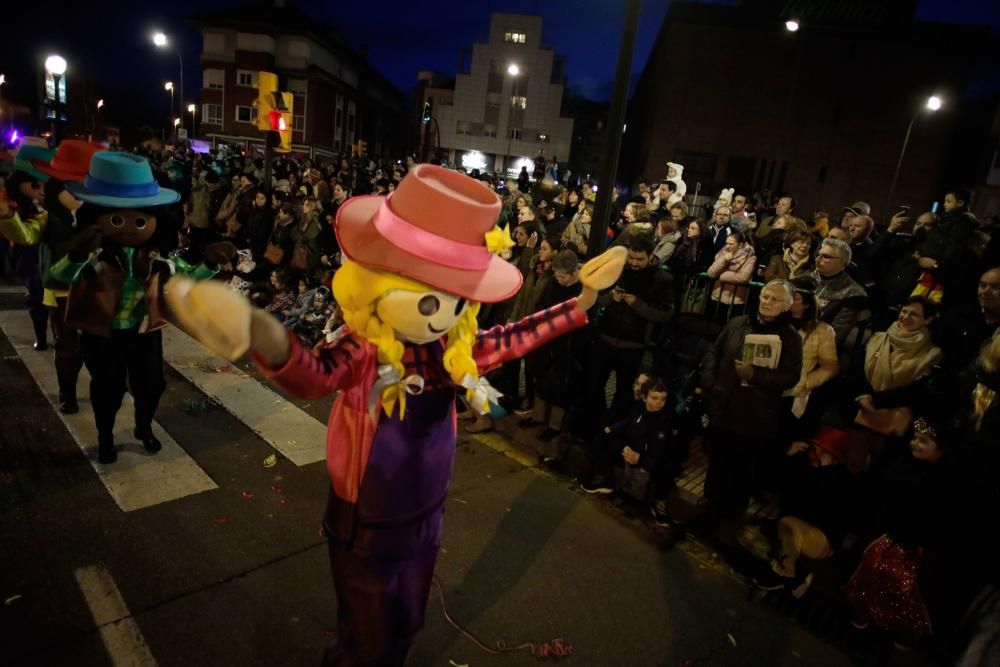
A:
{"x":897,"y":358}
{"x":793,"y":265}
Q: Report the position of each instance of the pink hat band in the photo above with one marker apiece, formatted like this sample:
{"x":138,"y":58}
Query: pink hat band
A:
{"x":426,"y":244}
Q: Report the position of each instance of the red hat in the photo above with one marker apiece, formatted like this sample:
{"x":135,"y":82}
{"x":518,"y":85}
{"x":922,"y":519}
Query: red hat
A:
{"x":71,"y":161}
{"x":431,"y":229}
{"x":833,"y":441}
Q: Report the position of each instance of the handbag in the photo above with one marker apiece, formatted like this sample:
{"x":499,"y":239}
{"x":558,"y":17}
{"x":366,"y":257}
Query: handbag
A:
{"x":274,"y":253}
{"x":632,"y":481}
{"x":890,"y":421}
{"x":301,"y":257}
{"x":694,"y":299}
{"x":93,"y":301}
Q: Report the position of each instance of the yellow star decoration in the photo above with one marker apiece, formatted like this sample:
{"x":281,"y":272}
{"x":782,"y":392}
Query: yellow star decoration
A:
{"x":498,"y":239}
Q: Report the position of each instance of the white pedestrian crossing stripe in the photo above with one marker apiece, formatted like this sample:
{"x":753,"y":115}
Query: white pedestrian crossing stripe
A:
{"x":138,"y":479}
{"x":284,"y":426}
{"x":115,"y":623}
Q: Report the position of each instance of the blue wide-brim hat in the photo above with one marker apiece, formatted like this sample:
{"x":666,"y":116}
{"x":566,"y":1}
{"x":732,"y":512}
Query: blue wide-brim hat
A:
{"x":26,"y":154}
{"x":121,"y":180}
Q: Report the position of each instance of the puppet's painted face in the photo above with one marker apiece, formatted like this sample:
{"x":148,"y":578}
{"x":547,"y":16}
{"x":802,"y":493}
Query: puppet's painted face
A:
{"x":127,"y":227}
{"x":420,"y":317}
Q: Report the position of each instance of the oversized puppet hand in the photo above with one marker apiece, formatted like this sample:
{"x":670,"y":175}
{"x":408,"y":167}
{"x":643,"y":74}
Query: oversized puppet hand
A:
{"x":601,"y":273}
{"x":225,"y":322}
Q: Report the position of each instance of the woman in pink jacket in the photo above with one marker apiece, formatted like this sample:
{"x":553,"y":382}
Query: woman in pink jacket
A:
{"x":733,"y":268}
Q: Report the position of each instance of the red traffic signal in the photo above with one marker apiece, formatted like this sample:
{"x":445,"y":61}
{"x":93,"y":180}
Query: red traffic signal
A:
{"x":277,"y":121}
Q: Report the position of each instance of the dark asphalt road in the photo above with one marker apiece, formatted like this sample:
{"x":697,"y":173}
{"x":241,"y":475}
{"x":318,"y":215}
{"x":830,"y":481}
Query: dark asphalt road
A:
{"x":217,"y":578}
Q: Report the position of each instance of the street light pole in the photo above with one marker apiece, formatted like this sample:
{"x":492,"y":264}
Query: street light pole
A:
{"x":160,"y":40}
{"x":933,"y":104}
{"x":513,"y":70}
{"x":56,"y":66}
{"x":3,"y":80}
{"x":615,"y":127}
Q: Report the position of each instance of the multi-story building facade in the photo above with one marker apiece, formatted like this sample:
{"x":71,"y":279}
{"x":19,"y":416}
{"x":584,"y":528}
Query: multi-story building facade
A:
{"x":339,"y":98}
{"x":820,"y":112}
{"x":506,"y":109}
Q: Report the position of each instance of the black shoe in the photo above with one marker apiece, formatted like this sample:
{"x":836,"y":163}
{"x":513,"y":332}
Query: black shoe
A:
{"x":548,"y":435}
{"x":597,"y":485}
{"x":555,"y":464}
{"x":40,"y":346}
{"x":68,"y":406}
{"x":106,"y":451}
{"x":661,"y":518}
{"x":149,"y":441}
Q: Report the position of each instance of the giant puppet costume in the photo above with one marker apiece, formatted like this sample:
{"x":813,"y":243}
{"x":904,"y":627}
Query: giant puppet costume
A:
{"x":115,"y":267}
{"x":419,"y":265}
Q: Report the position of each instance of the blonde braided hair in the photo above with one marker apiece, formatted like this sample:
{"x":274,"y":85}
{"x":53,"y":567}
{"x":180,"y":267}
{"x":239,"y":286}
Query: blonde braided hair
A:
{"x":357,"y":289}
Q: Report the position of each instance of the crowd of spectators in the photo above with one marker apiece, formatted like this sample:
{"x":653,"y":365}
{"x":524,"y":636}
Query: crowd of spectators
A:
{"x":846,"y":370}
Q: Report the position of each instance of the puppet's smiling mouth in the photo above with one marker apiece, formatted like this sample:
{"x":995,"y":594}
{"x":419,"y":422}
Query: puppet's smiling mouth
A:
{"x":435,"y":331}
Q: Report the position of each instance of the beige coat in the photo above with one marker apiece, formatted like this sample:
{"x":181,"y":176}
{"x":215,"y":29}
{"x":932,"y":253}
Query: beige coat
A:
{"x":819,"y":359}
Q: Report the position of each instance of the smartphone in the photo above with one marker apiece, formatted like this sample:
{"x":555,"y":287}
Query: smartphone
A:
{"x":935,"y":206}
{"x":904,"y":208}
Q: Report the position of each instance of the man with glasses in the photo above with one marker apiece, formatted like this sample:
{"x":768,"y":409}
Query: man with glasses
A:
{"x":720,"y":227}
{"x":841,"y":300}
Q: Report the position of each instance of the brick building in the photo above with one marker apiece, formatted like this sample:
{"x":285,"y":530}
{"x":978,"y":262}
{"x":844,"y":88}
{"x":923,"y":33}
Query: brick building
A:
{"x":821,"y":112}
{"x":339,"y":97}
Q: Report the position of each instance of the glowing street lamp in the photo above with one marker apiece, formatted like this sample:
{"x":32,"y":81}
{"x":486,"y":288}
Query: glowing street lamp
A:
{"x":932,"y":104}
{"x":194,"y":126}
{"x":513,"y":70}
{"x":161,"y":41}
{"x":792,"y":25}
{"x":100,"y":103}
{"x":3,"y":80}
{"x":177,"y":121}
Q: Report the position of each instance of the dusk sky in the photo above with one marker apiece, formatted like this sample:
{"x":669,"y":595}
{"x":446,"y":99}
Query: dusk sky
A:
{"x":112,"y":41}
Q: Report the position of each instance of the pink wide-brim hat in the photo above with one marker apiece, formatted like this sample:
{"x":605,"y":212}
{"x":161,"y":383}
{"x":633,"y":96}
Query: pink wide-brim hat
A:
{"x":431,"y":229}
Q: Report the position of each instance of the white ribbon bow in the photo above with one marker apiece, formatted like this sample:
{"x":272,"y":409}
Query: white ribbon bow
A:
{"x":484,"y":394}
{"x":388,"y":376}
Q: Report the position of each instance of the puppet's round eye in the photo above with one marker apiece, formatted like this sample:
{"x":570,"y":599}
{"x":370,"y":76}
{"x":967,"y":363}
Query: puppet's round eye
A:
{"x":428,"y":305}
{"x":459,"y":305}
{"x":117,"y":221}
{"x":140,"y":223}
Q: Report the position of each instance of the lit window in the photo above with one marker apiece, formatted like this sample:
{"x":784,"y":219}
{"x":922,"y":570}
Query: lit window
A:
{"x":519,"y":101}
{"x":515,"y":134}
{"x":514,"y":37}
{"x":489,"y":130}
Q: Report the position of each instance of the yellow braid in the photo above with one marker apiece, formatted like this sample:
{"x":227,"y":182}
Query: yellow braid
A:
{"x":357,"y":289}
{"x":458,"y":360}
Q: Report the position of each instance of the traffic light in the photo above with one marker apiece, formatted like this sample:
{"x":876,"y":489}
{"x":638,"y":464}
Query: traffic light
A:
{"x":427,"y":112}
{"x":274,"y":111}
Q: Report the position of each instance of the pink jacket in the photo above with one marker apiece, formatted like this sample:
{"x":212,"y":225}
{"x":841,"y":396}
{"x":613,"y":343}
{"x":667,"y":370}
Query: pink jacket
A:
{"x":350,"y":365}
{"x":733,"y":275}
